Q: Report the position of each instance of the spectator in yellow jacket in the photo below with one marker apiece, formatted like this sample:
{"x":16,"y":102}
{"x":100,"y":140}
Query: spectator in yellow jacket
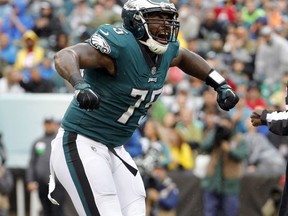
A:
{"x":181,"y":153}
{"x":31,"y":53}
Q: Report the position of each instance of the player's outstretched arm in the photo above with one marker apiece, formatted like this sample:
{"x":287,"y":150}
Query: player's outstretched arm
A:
{"x":194,"y":65}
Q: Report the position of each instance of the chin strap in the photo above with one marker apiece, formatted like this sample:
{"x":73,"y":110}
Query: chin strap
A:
{"x":154,"y":46}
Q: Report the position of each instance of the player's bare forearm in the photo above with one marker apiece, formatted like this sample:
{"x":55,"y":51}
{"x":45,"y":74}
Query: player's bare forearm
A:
{"x":192,"y":64}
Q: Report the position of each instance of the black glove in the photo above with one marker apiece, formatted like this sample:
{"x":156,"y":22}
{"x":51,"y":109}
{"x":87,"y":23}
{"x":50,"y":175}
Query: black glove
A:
{"x":86,"y":98}
{"x":226,"y":97}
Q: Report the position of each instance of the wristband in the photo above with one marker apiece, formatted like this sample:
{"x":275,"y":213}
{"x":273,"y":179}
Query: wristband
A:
{"x":214,"y":79}
{"x":75,"y":79}
{"x":263,"y":117}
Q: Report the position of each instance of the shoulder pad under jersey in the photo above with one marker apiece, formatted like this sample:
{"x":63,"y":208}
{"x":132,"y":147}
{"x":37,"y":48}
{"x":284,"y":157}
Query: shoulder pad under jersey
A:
{"x":110,"y":39}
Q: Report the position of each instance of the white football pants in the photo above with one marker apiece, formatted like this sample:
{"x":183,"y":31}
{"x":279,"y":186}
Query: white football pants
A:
{"x":98,"y":182}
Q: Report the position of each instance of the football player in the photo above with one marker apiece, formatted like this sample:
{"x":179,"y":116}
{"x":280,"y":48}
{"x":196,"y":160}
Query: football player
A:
{"x":124,"y":72}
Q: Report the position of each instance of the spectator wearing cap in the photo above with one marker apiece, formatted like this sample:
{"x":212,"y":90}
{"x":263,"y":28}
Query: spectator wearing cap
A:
{"x":18,"y":21}
{"x":257,"y":26}
{"x":271,"y":58}
{"x":31,"y":53}
{"x":37,"y":173}
{"x":47,"y":25}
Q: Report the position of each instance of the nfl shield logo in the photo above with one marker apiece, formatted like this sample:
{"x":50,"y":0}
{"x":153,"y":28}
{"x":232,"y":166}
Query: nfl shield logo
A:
{"x":153,"y":70}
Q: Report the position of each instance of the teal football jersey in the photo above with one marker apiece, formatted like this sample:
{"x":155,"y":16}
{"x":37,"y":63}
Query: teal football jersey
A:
{"x":125,"y":97}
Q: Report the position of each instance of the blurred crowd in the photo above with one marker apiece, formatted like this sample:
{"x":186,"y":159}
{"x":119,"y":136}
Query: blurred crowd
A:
{"x":245,"y":40}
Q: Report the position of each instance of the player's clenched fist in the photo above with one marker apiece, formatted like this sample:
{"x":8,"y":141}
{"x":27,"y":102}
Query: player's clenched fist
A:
{"x":226,"y":97}
{"x":86,"y":97}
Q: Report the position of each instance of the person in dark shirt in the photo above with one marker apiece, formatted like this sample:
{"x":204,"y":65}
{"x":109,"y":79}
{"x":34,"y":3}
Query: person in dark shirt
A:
{"x":37,"y":84}
{"x":37,"y":173}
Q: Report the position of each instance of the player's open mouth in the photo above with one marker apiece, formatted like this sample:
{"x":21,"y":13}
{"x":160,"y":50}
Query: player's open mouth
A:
{"x":163,"y":37}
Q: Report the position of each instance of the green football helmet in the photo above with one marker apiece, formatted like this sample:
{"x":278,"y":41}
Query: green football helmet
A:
{"x":135,"y":15}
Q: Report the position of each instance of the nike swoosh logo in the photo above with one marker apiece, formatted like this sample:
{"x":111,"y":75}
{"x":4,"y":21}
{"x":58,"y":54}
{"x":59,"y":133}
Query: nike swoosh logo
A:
{"x":105,"y":33}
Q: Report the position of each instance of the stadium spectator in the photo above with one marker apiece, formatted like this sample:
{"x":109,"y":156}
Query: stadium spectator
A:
{"x":31,"y":53}
{"x":8,"y":51}
{"x":253,"y":96}
{"x":37,"y":84}
{"x":264,"y":159}
{"x":61,"y":41}
{"x":251,"y":13}
{"x":154,"y":150}
{"x":210,"y":25}
{"x":102,"y":15}
{"x":182,"y":157}
{"x":208,"y":105}
{"x":188,"y":19}
{"x":133,"y":145}
{"x":78,"y":19}
{"x":47,"y":25}
{"x":166,"y":126}
{"x":6,"y":181}
{"x":111,"y":5}
{"x":37,"y":173}
{"x":221,"y":185}
{"x":225,"y":12}
{"x":190,"y":128}
{"x":240,"y":113}
{"x":270,"y":60}
{"x":46,"y":69}
{"x":5,"y":10}
{"x":18,"y":21}
{"x":239,"y":72}
{"x":10,"y":82}
{"x":276,"y":99}
{"x":162,"y":193}
{"x":273,"y":14}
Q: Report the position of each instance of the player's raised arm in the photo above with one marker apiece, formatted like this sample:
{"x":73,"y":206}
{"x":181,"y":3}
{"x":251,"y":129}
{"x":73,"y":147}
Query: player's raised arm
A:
{"x":194,"y":65}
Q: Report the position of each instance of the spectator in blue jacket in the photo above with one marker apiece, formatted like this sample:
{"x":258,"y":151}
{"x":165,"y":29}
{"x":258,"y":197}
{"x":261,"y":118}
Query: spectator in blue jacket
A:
{"x":18,"y":21}
{"x":162,"y":193}
{"x":133,"y":145}
{"x":8,"y":51}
